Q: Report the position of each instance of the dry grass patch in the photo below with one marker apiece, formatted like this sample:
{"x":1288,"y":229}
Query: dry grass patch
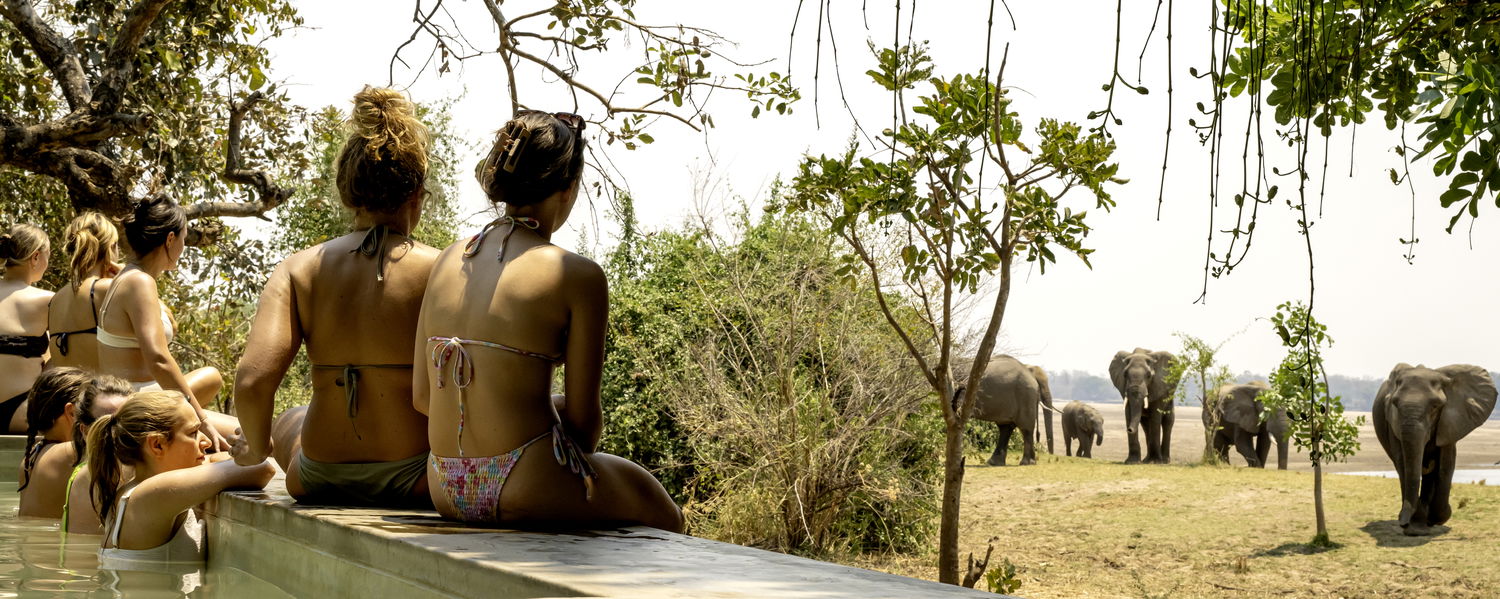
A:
{"x":1081,"y":528}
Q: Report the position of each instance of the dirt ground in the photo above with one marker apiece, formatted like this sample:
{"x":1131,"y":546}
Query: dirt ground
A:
{"x":1478,"y":450}
{"x":1101,"y":529}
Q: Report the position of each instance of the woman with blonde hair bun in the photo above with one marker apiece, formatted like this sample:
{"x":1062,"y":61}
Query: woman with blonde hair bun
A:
{"x":353,"y":301}
{"x":73,"y":316}
{"x":24,"y":251}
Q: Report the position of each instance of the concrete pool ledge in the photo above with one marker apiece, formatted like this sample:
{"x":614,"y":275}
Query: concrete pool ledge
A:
{"x":322,"y":551}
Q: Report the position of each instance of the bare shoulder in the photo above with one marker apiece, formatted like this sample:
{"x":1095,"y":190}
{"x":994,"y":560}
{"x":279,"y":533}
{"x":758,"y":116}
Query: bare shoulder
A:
{"x":571,"y":270}
{"x":35,"y":298}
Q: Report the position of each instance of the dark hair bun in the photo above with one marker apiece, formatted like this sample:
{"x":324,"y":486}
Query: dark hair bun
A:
{"x":147,"y":226}
{"x":534,"y":156}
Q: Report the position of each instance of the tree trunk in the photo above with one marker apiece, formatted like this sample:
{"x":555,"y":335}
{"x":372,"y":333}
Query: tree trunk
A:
{"x":1318,"y":502}
{"x":953,"y":486}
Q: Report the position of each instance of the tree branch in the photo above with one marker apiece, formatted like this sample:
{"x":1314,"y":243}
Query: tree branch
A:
{"x":54,"y":51}
{"x":269,"y":195}
{"x":119,"y":71}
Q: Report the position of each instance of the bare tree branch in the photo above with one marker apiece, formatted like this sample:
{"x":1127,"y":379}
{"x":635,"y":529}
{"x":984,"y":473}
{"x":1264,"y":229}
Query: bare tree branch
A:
{"x":269,"y":195}
{"x":54,"y":51}
{"x":119,"y":71}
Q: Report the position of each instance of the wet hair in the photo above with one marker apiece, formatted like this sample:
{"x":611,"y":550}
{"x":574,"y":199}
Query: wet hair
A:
{"x":83,"y":412}
{"x":50,"y":395}
{"x":89,"y":242}
{"x":120,"y":438}
{"x":147,"y":227}
{"x":19,"y":242}
{"x":547,"y":158}
{"x":384,"y":159}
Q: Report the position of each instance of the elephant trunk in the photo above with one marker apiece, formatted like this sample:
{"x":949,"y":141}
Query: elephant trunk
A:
{"x":1048,"y":421}
{"x":1413,"y":438}
{"x":1133,"y":407}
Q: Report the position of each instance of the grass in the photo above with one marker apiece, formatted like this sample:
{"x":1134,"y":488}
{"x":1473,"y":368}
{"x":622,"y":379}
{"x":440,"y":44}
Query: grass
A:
{"x":1082,"y":528}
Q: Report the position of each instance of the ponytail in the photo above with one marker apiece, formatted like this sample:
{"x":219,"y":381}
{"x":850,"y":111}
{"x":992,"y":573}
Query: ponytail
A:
{"x":89,"y":242}
{"x":103,"y":465}
{"x":119,"y":438}
{"x":47,"y":400}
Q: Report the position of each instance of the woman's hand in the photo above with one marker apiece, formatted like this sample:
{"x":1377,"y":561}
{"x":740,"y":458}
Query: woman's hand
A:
{"x":242,"y":453}
{"x":217,"y":442}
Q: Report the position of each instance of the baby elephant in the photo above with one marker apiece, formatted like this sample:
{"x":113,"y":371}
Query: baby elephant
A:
{"x":1082,"y":422}
{"x":1419,"y":415}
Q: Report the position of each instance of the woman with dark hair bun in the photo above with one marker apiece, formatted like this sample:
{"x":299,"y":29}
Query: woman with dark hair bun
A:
{"x":135,"y":329}
{"x":501,"y":313}
{"x":24,"y":251}
{"x":73,"y":315}
{"x":353,"y":301}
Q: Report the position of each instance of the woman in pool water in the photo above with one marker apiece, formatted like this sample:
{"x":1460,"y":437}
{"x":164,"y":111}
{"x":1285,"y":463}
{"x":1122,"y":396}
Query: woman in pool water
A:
{"x":135,"y":328}
{"x":61,"y":406}
{"x":150,"y":518}
{"x":501,"y":312}
{"x":359,"y":441}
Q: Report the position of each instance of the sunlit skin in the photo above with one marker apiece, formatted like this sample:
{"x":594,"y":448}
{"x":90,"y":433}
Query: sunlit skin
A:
{"x":175,"y":474}
{"x":133,"y":311}
{"x":542,"y":299}
{"x":330,"y":299}
{"x":23,"y":311}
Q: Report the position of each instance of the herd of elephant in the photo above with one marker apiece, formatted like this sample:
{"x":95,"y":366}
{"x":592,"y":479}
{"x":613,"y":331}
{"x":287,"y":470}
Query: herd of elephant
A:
{"x":1419,"y":414}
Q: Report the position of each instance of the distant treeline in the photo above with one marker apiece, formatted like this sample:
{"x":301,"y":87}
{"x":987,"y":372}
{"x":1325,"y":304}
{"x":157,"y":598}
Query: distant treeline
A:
{"x":1358,"y":393}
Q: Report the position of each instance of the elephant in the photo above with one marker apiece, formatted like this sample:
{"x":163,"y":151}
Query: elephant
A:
{"x":1141,"y":378}
{"x":1082,"y":422}
{"x":1009,"y":395}
{"x":1419,"y":415}
{"x":1235,"y":420}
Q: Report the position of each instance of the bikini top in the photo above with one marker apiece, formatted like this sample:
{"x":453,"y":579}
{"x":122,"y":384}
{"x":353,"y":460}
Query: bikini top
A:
{"x":62,"y":338}
{"x":25,"y":346}
{"x":373,"y":245}
{"x":186,"y":544}
{"x":128,"y":341}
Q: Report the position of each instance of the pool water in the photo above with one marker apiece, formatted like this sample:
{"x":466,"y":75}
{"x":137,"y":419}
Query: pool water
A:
{"x":38,"y":560}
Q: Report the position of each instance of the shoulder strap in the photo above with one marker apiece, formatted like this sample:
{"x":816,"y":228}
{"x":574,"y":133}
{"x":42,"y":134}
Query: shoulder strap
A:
{"x":93,"y":304}
{"x":114,"y":533}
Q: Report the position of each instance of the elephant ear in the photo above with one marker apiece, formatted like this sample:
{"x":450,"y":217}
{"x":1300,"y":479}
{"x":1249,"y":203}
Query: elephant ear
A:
{"x":1471,"y":398}
{"x":1161,"y":366}
{"x":1041,"y":383}
{"x":1241,"y":408}
{"x":1117,"y":371}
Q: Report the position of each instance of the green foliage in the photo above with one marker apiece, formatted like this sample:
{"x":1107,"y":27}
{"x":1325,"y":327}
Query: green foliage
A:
{"x":820,"y":441}
{"x":921,"y":202}
{"x":1197,"y":362}
{"x":1424,"y":61}
{"x":43,"y":202}
{"x":1002,"y":579}
{"x":1300,"y":385}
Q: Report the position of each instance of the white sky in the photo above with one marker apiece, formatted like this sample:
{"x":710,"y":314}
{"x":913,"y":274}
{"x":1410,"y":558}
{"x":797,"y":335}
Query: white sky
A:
{"x":1146,"y":274}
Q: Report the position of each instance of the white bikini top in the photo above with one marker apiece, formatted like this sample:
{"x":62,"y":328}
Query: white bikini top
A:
{"x":185,"y":546}
{"x":123,"y":341}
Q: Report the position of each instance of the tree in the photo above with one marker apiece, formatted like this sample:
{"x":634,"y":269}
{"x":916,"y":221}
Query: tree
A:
{"x":919,"y":210}
{"x":116,"y":101}
{"x":1300,"y":386}
{"x":1197,"y":361}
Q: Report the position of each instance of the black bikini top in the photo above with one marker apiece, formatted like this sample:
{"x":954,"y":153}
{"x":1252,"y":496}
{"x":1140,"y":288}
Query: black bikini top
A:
{"x":62,"y":338}
{"x":25,"y":346}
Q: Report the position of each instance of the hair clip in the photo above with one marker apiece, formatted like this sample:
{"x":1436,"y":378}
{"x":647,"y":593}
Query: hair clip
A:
{"x":513,"y":149}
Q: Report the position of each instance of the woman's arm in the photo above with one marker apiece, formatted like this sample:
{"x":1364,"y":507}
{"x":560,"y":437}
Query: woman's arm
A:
{"x":143,"y":309}
{"x":587,"y":294}
{"x":275,"y":335}
{"x":161,"y":497}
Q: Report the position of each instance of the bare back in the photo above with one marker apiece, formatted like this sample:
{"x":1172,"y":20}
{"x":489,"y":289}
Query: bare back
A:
{"x":23,"y":311}
{"x":72,"y":313}
{"x":520,"y":303}
{"x":348,"y":316}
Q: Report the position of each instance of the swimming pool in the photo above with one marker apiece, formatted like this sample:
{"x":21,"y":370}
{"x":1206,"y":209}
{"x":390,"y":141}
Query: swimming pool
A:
{"x":38,"y":560}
